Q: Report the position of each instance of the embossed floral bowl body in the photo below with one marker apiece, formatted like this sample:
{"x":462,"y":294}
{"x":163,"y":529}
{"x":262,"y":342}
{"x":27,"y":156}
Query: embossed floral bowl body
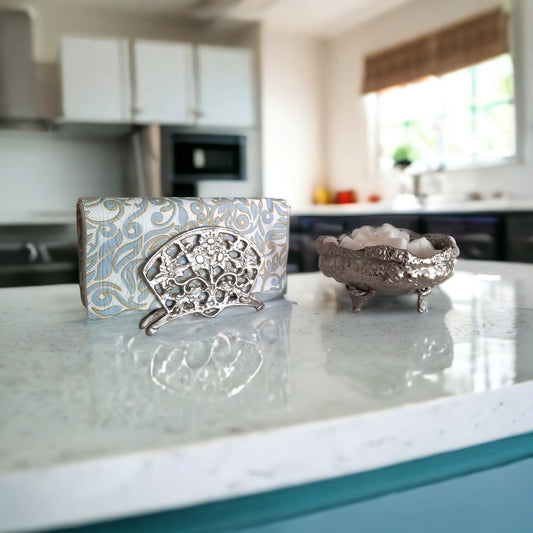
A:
{"x":384,"y":269}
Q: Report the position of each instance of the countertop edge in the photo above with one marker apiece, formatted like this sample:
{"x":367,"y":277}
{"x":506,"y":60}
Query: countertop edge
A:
{"x":137,"y":483}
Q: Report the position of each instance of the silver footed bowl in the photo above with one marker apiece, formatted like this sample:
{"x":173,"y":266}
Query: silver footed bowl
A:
{"x":384,"y":269}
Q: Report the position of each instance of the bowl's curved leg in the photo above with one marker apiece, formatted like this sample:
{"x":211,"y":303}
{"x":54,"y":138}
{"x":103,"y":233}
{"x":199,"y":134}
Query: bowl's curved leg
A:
{"x":422,"y":305}
{"x":359,"y":296}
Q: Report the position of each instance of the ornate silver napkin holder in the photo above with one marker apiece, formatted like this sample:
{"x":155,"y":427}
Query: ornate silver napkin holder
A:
{"x":202,"y":271}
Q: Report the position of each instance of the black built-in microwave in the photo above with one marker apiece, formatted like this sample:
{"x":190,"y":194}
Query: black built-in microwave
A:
{"x":190,"y":157}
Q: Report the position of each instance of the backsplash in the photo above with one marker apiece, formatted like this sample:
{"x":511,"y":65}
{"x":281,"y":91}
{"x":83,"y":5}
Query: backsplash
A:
{"x":40,"y":171}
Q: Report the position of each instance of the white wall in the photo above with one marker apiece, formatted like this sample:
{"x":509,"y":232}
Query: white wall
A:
{"x":40,"y":172}
{"x":349,"y":163}
{"x":293,"y":116}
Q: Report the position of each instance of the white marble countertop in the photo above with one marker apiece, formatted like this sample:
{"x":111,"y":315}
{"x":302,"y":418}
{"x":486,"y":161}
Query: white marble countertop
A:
{"x":99,"y":421}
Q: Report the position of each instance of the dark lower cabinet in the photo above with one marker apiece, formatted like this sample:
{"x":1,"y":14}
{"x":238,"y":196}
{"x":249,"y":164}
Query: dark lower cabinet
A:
{"x":38,"y":255}
{"x":519,"y":237}
{"x":306,"y":229}
{"x":478,"y":237}
{"x":410,"y":222}
{"x":485,"y":236}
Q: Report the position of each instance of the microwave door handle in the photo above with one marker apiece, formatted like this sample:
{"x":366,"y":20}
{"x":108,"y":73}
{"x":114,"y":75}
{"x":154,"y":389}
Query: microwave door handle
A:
{"x":198,"y":158}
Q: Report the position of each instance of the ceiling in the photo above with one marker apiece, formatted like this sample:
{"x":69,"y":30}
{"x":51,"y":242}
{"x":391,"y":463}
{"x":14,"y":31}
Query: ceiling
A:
{"x":321,"y":18}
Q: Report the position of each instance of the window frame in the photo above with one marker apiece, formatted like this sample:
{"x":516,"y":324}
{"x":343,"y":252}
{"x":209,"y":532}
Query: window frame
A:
{"x":371,"y":104}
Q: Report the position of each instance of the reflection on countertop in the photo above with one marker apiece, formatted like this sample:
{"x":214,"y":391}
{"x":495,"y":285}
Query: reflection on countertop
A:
{"x":395,"y":358}
{"x":200,"y":373}
{"x":110,"y":387}
{"x":104,"y":386}
{"x":472,"y":339}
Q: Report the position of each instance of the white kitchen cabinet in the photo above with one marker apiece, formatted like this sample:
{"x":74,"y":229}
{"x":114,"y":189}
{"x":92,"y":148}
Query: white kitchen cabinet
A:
{"x":164,"y":83}
{"x":225,"y":86}
{"x":95,"y":79}
{"x":171,"y":83}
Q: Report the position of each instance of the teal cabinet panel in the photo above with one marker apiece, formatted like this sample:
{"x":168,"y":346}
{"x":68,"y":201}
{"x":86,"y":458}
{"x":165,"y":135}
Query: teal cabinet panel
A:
{"x":494,"y":501}
{"x":469,"y":490}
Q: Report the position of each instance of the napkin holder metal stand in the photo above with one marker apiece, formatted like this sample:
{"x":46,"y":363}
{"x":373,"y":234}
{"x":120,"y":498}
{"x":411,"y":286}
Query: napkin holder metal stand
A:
{"x":201,"y":271}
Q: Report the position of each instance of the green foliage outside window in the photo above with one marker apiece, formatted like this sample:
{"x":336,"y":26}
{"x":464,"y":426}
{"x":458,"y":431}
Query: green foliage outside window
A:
{"x":462,"y":119}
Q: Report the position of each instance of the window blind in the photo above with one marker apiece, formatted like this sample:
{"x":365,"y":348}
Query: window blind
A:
{"x":451,"y":48}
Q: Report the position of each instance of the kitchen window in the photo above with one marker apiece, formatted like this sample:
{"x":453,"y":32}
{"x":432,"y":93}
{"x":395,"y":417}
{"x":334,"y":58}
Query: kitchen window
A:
{"x":446,"y":99}
{"x":461,"y":119}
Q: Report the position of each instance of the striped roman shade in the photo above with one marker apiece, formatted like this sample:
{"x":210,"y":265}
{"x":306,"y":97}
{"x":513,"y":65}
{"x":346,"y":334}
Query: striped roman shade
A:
{"x":458,"y":46}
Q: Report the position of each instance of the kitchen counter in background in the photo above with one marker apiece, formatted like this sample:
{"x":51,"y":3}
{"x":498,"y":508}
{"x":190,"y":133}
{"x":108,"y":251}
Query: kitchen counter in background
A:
{"x":33,"y":218}
{"x":436,"y":205}
{"x":99,"y":421}
{"x":497,"y":230}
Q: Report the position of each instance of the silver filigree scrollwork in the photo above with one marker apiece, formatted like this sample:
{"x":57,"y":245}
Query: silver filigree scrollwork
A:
{"x":384,"y":269}
{"x":203,"y":271}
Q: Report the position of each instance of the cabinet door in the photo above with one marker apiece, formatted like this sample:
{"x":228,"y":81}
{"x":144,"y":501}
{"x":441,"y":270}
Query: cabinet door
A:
{"x":225,"y":86}
{"x":477,"y":236}
{"x":163,"y":82}
{"x":95,"y":79}
{"x":520,"y":238}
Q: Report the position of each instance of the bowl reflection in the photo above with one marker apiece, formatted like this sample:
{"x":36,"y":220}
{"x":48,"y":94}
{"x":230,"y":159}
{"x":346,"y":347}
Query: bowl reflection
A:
{"x":401,"y":351}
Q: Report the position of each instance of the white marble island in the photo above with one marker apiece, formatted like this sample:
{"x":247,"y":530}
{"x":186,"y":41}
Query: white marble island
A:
{"x":99,"y":421}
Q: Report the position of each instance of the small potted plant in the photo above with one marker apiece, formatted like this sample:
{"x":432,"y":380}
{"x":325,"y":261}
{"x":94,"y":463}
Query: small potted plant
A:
{"x":404,"y":155}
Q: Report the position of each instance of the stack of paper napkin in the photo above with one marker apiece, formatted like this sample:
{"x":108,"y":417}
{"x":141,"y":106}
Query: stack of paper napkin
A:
{"x":386,"y":235}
